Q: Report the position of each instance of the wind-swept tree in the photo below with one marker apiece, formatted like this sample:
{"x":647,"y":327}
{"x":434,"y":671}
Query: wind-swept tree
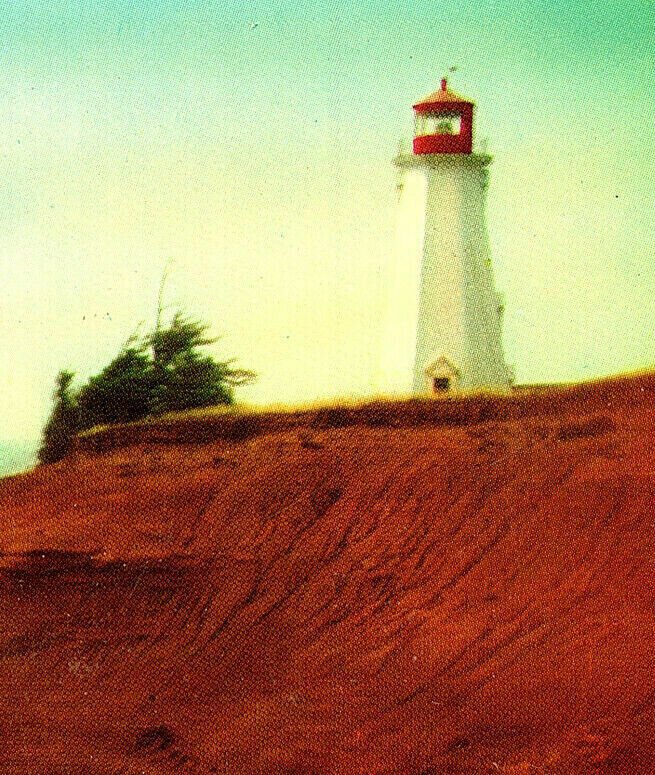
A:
{"x":185,"y":377}
{"x":122,"y":392}
{"x":164,"y":371}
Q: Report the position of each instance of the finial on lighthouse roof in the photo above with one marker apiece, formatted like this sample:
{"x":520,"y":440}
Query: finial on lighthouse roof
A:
{"x":443,"y":95}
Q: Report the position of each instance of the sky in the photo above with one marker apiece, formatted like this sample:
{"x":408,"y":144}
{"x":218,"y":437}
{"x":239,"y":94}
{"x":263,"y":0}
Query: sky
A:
{"x":248,"y":146}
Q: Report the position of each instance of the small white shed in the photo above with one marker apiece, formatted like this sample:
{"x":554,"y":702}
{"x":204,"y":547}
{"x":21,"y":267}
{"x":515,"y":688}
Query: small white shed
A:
{"x":442,"y":376}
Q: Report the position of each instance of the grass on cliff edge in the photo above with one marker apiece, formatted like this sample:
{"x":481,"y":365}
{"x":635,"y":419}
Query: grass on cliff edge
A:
{"x":378,"y":402}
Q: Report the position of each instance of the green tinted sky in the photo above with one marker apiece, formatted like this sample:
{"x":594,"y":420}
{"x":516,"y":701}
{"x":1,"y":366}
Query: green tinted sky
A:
{"x":251,"y":143}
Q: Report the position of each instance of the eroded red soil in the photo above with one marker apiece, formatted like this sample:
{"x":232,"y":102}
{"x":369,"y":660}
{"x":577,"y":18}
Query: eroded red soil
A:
{"x":410,"y":600}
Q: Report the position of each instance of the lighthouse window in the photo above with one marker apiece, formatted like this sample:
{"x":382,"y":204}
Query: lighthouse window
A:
{"x":437,"y":124}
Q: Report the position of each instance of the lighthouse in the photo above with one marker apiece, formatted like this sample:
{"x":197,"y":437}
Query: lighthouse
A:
{"x":457,"y":315}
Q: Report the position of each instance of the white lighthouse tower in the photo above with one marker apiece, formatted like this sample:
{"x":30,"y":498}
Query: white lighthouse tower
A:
{"x":443,"y":239}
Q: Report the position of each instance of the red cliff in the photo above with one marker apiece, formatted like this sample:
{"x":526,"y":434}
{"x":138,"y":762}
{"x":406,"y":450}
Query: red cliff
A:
{"x":446,"y":587}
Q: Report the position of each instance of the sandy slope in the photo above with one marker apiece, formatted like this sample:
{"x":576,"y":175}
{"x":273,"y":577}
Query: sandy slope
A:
{"x":412,"y":600}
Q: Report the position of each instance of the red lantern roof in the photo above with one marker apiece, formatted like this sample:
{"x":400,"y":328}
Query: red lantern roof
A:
{"x":440,"y":100}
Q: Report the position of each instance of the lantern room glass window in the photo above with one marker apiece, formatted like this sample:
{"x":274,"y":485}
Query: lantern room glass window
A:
{"x":437,"y":124}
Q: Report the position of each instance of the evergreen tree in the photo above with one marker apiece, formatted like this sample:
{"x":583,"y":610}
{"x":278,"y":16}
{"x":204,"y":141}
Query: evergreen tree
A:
{"x":185,"y":378}
{"x":164,"y":371}
{"x":122,"y":392}
{"x":60,"y":430}
{"x":195,"y":381}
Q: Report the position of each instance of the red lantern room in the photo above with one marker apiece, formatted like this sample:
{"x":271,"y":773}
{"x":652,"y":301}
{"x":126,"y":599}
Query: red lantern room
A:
{"x":443,"y":123}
